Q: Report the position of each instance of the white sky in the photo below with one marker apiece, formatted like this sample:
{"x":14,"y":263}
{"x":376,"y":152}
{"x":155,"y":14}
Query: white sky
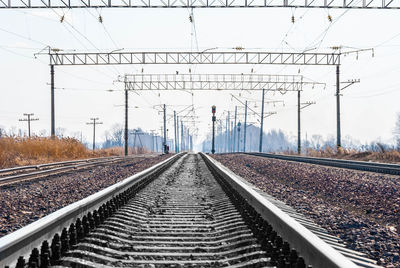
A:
{"x":368,"y":108}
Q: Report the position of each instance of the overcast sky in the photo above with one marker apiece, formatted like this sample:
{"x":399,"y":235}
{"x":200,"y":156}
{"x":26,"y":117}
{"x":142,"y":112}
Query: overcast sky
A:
{"x":368,"y":109}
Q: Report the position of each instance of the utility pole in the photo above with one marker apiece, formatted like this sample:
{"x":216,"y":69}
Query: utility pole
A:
{"x":53,"y":120}
{"x":298,"y":124}
{"x":176,"y":144}
{"x":213,"y":129}
{"x":126,"y":121}
{"x":245,"y":127}
{"x":152,"y":140}
{"x":300,"y":106}
{"x":338,"y":135}
{"x":165,"y":130}
{"x":234,"y":131}
{"x":29,"y":119}
{"x":94,"y":123}
{"x":262,"y":122}
{"x":177,"y":134}
{"x":238,"y":138}
{"x":229,"y":133}
{"x":182,"y":141}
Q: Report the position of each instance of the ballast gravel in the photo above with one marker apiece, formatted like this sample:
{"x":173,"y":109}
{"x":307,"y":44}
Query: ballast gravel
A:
{"x":362,"y":208}
{"x":25,"y":202}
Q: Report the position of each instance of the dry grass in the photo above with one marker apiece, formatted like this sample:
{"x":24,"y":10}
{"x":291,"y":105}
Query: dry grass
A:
{"x":17,"y":151}
{"x":391,"y":156}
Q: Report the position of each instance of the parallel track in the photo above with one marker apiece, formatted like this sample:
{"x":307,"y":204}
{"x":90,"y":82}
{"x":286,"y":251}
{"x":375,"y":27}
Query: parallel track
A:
{"x":18,"y":174}
{"x":184,"y":212}
{"x":392,"y":169}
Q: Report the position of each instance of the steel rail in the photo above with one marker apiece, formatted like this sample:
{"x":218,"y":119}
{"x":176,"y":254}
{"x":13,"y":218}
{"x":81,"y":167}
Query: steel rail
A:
{"x":392,"y":169}
{"x":40,"y":166}
{"x":314,"y":250}
{"x":286,"y":224}
{"x":22,"y":241}
{"x":70,"y":165}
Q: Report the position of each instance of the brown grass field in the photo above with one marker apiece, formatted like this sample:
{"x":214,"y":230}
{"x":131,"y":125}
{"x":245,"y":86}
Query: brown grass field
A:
{"x":21,"y":151}
{"x":384,"y":156}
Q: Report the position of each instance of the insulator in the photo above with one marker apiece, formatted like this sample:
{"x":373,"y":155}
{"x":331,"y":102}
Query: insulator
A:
{"x":293,"y":20}
{"x":100,"y":19}
{"x":62,"y":18}
{"x":330,"y":18}
{"x":190,"y":18}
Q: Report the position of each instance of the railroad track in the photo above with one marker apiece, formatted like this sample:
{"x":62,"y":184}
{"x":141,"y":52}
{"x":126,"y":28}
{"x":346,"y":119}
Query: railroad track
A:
{"x":18,"y":174}
{"x":187,"y":211}
{"x":392,"y":169}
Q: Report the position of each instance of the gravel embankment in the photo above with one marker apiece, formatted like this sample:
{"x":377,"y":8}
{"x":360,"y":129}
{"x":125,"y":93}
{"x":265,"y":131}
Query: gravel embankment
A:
{"x":361,"y":208}
{"x":26,"y":202}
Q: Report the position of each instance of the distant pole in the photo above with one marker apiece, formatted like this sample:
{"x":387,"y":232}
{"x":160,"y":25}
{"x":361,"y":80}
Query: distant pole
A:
{"x":338,"y":142}
{"x":176,"y":144}
{"x":182,"y":145}
{"x":245,"y":127}
{"x":152,"y":140}
{"x":231,"y":141}
{"x":262,"y":122}
{"x":298,"y":124}
{"x":238,"y":138}
{"x":226,"y":134}
{"x":177,"y":134}
{"x":53,"y":120}
{"x":229,"y":133}
{"x":29,"y":119}
{"x":213,"y":108}
{"x":165,"y":130}
{"x":94,"y":123}
{"x":126,"y":122}
{"x":234,"y":131}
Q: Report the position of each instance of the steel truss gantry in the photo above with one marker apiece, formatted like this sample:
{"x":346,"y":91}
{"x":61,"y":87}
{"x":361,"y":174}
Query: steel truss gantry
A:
{"x":356,"y":4}
{"x":61,"y":58}
{"x":269,"y":82}
{"x":206,"y":57}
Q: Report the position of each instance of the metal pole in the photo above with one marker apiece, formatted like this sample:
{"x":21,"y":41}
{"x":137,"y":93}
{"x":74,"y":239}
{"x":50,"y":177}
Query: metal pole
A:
{"x":176,"y":145}
{"x":231,"y":142}
{"x":262,"y":122}
{"x":126,"y":121}
{"x":182,"y":147}
{"x":226,"y":135}
{"x":298,"y":124}
{"x":238,"y":136}
{"x":338,"y":106}
{"x":53,"y":120}
{"x":165,"y":129}
{"x":229,"y":132}
{"x":245,"y":127}
{"x":29,"y":125}
{"x":94,"y":133}
{"x":234,"y":130}
{"x":177,"y":133}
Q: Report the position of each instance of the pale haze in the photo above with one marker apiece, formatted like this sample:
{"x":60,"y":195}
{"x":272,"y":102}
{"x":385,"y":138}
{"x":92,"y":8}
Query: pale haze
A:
{"x":369,"y":108}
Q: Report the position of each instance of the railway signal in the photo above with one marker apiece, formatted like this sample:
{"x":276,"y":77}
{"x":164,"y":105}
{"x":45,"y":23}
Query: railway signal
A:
{"x":213,"y":110}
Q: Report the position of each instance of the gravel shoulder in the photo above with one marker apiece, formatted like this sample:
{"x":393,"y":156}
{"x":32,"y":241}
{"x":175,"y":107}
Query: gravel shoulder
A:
{"x":26,"y":202}
{"x":362,"y":208}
